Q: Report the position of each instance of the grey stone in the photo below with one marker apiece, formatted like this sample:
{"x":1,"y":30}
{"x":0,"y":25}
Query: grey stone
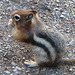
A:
{"x":70,"y":69}
{"x":18,"y":68}
{"x":74,"y":16}
{"x":7,"y":72}
{"x":5,"y":59}
{"x":62,"y":16}
{"x":0,"y":17}
{"x":14,"y":64}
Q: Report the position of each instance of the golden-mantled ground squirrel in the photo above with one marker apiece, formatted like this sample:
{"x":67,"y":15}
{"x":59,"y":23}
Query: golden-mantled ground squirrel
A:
{"x":47,"y":44}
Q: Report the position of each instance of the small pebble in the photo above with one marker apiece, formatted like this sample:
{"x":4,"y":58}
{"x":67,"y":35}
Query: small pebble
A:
{"x":23,"y":58}
{"x":57,"y":73}
{"x":74,"y":16}
{"x":10,"y":40}
{"x":33,"y":7}
{"x":62,"y":17}
{"x":70,"y":69}
{"x":5,"y":59}
{"x":43,"y":69}
{"x":6,"y":48}
{"x":14,"y":64}
{"x":63,"y":13}
{"x":9,"y":36}
{"x":71,"y":41}
{"x":27,"y":71}
{"x":15,"y":70}
{"x":1,"y":3}
{"x":4,"y":45}
{"x":71,"y":2}
{"x":11,"y":74}
{"x":56,"y":9}
{"x":67,"y":31}
{"x":53,"y":13}
{"x":0,"y":51}
{"x":7,"y":72}
{"x":44,"y":17}
{"x":58,"y":1}
{"x":18,"y":68}
{"x":48,"y":7}
{"x":13,"y":67}
{"x":0,"y":17}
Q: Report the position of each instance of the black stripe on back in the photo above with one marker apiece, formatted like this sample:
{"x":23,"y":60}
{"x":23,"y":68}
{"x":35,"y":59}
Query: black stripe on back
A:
{"x":48,"y":39}
{"x":45,"y":37}
{"x":41,"y":46}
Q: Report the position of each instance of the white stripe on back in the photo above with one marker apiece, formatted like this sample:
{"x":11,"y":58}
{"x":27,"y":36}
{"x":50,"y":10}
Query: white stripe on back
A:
{"x":47,"y":44}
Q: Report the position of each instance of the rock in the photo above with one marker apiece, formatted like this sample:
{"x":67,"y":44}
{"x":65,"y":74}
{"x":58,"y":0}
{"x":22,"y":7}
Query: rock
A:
{"x":7,"y":72}
{"x":7,"y":1}
{"x":28,"y":70}
{"x":70,"y":69}
{"x":58,"y":1}
{"x":67,"y":31}
{"x":0,"y":51}
{"x":74,"y":16}
{"x":9,"y":36}
{"x":18,"y":68}
{"x":23,"y":58}
{"x":4,"y":45}
{"x":15,"y":70}
{"x":6,"y":48}
{"x":5,"y":59}
{"x":43,"y":69}
{"x":71,"y":42}
{"x":71,"y":2}
{"x":57,"y":73}
{"x":56,"y":9}
{"x":13,"y":67}
{"x":53,"y":13}
{"x":62,"y":17}
{"x":33,"y":7}
{"x":63,"y":13}
{"x":0,"y":17}
{"x":11,"y":74}
{"x":61,"y":10}
{"x":13,"y":64}
{"x":1,"y":3}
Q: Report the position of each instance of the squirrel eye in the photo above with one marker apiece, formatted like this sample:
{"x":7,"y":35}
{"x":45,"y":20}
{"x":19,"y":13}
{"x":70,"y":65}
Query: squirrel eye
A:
{"x":29,"y":16}
{"x":17,"y":17}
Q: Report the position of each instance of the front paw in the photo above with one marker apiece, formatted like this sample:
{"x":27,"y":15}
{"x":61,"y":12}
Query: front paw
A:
{"x":10,"y":23}
{"x":30,"y":63}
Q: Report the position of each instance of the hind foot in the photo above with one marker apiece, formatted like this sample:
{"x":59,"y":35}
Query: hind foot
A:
{"x":31,"y":63}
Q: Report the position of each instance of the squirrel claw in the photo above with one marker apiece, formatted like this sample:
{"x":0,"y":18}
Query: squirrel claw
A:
{"x":31,"y":64}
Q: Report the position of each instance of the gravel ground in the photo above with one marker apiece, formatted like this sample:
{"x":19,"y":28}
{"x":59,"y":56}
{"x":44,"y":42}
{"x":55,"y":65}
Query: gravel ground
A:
{"x":58,"y":14}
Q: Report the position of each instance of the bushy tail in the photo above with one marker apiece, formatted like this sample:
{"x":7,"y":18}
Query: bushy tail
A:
{"x":69,"y":62}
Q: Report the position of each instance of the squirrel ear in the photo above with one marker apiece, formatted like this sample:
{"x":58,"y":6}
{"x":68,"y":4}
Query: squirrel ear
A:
{"x":33,"y":11}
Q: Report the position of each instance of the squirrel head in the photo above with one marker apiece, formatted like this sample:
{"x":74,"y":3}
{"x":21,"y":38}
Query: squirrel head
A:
{"x":23,"y":23}
{"x":23,"y":18}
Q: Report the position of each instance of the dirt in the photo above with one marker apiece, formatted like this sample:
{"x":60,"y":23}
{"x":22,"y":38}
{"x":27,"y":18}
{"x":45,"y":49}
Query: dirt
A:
{"x":58,"y":14}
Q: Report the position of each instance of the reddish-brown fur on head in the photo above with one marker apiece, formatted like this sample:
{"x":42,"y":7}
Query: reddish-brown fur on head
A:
{"x":24,"y":27}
